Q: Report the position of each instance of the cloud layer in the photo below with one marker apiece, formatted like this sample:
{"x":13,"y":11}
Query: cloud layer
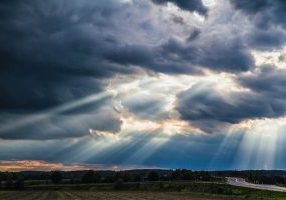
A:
{"x":138,"y":77}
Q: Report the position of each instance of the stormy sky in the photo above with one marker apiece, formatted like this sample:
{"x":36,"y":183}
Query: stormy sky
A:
{"x":121,"y":84}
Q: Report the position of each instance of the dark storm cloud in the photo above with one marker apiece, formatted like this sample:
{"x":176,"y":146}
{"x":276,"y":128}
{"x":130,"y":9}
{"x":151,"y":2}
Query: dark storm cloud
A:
{"x":269,"y":19}
{"x":178,"y":20}
{"x":266,"y":39}
{"x":51,"y":54}
{"x":206,"y":107}
{"x":130,"y":55}
{"x":215,"y":53}
{"x":251,"y":7}
{"x":152,"y":59}
{"x":189,"y":5}
{"x":267,"y":81}
{"x":194,"y":35}
{"x":56,"y":52}
{"x":275,"y":7}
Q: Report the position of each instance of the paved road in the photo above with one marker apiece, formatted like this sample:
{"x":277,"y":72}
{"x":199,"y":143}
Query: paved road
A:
{"x":241,"y":182}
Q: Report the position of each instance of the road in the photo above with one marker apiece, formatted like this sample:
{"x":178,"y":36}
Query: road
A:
{"x":242,"y":183}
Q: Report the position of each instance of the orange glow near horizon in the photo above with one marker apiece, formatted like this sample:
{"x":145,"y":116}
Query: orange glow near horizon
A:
{"x":40,"y":165}
{"x":35,"y":165}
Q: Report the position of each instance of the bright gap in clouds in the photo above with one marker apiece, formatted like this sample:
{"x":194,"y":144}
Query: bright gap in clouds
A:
{"x":254,"y":141}
{"x":209,"y":3}
{"x":276,"y":57}
{"x":164,"y":89}
{"x":174,"y":10}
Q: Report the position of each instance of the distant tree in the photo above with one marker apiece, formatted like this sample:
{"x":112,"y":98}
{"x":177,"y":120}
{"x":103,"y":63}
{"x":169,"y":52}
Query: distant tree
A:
{"x":203,"y":176}
{"x":97,"y":177}
{"x":0,"y":181}
{"x":153,"y":176}
{"x":126,"y":177}
{"x":186,"y":174}
{"x":88,"y":177}
{"x":56,"y":177}
{"x":91,"y":177}
{"x":165,"y":177}
{"x":118,"y":175}
{"x":136,"y":178}
{"x":19,"y":184}
{"x":110,"y":178}
{"x":176,"y":175}
{"x":71,"y":181}
{"x":9,"y":181}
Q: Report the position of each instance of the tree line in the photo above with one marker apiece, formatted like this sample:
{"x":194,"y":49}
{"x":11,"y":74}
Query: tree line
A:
{"x":15,"y":180}
{"x":11,"y":181}
{"x":136,"y":176}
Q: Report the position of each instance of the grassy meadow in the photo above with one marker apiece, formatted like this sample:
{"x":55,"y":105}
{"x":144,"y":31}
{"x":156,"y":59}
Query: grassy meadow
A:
{"x":140,"y":191}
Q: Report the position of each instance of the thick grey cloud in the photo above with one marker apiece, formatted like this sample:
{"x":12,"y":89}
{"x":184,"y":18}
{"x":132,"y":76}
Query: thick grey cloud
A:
{"x":193,"y":5}
{"x":210,"y":109}
{"x":207,"y":108}
{"x":59,"y":51}
{"x":252,"y":7}
{"x":269,"y":18}
{"x":267,"y":81}
{"x":194,"y":35}
{"x":51,"y":52}
{"x":265,"y":39}
{"x":266,"y":12}
{"x":213,"y":52}
{"x":54,"y":52}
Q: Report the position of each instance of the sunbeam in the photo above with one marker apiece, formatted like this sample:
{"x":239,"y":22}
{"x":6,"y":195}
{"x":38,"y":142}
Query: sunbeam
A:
{"x":33,"y":118}
{"x":145,"y":148}
{"x":229,"y":143}
{"x":257,"y":149}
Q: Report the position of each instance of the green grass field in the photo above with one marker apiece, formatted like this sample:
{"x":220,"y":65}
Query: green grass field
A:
{"x":149,"y":191}
{"x":125,"y":195}
{"x":109,"y":195}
